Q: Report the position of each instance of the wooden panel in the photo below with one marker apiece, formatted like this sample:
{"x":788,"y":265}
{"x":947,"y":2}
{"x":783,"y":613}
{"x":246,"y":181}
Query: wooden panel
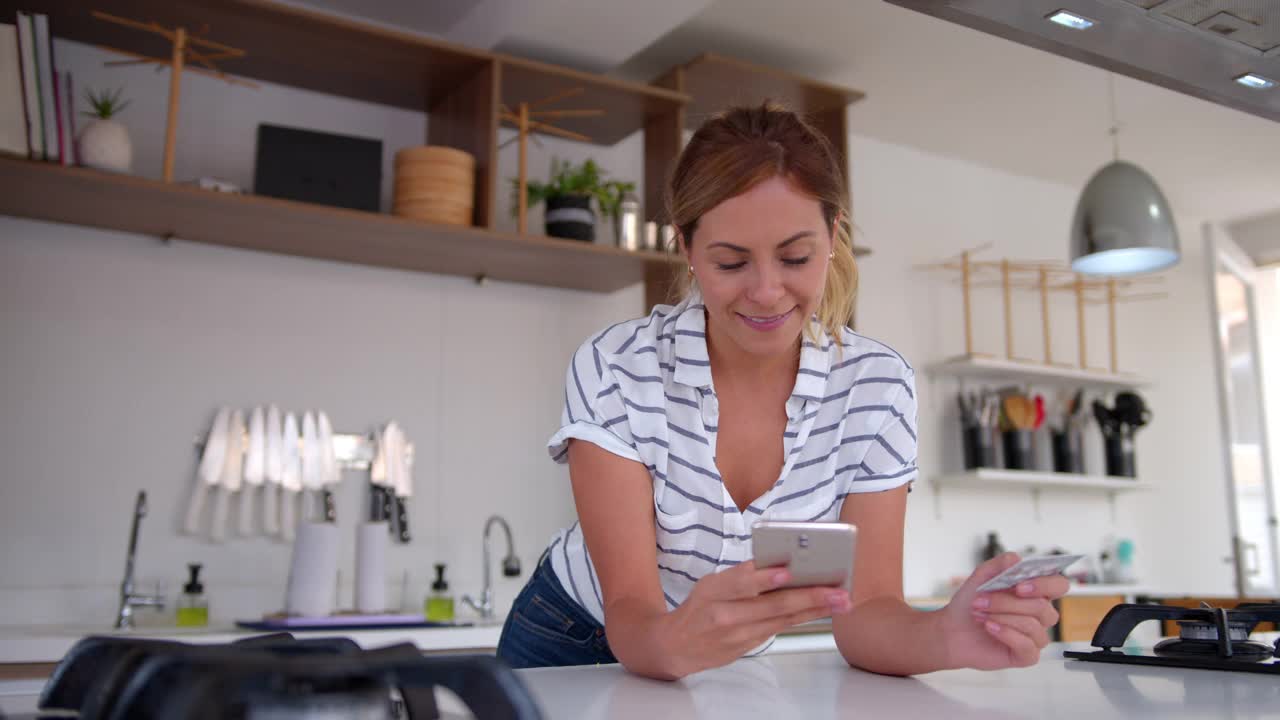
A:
{"x":715,"y":82}
{"x":467,"y":119}
{"x":1080,"y":615}
{"x":1170,"y":628}
{"x":116,"y":202}
{"x":627,"y":105}
{"x":285,"y":44}
{"x":26,"y":671}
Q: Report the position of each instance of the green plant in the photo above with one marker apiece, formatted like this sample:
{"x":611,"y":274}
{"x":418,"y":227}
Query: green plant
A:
{"x":105,"y":104}
{"x":570,"y":179}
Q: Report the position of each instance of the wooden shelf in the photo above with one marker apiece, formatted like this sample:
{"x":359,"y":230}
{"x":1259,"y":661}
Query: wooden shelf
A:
{"x":627,"y":105}
{"x":318,"y":51}
{"x":79,"y":196}
{"x":1012,"y":371}
{"x":1022,"y":479}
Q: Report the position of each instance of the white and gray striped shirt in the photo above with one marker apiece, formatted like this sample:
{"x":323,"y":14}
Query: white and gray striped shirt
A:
{"x":642,"y":390}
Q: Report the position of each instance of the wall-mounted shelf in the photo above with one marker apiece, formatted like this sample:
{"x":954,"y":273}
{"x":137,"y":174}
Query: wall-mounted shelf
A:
{"x":999,"y":369}
{"x":992,"y":477}
{"x":44,"y":191}
{"x":1034,"y":482}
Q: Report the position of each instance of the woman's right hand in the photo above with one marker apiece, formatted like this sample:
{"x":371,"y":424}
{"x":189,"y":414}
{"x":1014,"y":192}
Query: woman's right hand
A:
{"x":729,"y":613}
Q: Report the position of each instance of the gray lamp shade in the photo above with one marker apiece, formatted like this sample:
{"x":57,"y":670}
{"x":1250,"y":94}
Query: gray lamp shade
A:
{"x":1122,"y":225}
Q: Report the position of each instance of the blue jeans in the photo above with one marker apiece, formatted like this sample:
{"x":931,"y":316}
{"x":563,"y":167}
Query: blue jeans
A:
{"x":547,"y":628}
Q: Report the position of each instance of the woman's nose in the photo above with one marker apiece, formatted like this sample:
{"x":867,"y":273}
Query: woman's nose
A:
{"x":766,"y":287}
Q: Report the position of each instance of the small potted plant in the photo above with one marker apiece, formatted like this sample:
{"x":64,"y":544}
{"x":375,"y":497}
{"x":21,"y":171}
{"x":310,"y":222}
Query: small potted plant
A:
{"x":568,"y":195}
{"x":104,"y":142}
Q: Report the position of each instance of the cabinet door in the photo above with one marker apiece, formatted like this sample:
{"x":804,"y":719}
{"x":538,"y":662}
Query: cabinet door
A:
{"x":1080,"y":615}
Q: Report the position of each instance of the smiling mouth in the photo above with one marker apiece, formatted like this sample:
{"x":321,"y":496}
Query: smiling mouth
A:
{"x":765,"y":322}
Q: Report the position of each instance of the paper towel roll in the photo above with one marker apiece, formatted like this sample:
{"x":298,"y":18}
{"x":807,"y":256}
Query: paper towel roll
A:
{"x":313,"y":572}
{"x":371,"y":567}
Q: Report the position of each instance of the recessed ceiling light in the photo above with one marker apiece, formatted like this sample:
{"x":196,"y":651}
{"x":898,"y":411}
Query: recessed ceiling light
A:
{"x":1069,"y":19}
{"x":1255,"y":81}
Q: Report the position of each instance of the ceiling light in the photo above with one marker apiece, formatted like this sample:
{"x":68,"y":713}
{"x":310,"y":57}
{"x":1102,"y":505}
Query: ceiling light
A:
{"x":1256,"y":82}
{"x":1069,"y":19}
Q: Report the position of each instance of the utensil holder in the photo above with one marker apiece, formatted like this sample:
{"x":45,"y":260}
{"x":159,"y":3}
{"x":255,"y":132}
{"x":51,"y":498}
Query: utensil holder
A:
{"x":1017,"y":450}
{"x":1068,"y":453}
{"x":1118,"y":450}
{"x":978,"y":452}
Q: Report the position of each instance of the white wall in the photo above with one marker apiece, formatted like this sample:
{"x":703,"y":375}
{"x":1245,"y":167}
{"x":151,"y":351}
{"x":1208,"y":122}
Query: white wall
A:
{"x":116,"y":351}
{"x":914,"y":208}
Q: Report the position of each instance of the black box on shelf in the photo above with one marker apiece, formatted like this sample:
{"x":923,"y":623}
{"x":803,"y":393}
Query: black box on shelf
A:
{"x":317,"y":167}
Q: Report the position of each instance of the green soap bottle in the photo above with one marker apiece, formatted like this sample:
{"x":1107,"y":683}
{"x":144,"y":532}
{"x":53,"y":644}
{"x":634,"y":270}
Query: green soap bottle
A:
{"x":193,"y":607}
{"x":440,"y":602}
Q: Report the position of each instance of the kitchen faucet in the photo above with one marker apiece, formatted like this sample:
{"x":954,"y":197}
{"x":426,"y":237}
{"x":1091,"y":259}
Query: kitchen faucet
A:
{"x":128,"y":598}
{"x":510,"y":568}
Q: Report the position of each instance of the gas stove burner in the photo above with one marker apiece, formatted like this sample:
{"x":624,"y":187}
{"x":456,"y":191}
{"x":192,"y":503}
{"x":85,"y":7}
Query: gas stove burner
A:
{"x":275,"y":676}
{"x":1243,"y":650}
{"x":1209,"y":638}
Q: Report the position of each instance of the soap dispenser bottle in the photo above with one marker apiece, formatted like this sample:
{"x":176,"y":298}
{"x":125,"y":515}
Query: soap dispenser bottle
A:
{"x":440,"y":602}
{"x":193,"y":607}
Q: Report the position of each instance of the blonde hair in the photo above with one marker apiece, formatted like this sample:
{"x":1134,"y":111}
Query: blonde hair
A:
{"x":742,"y":147}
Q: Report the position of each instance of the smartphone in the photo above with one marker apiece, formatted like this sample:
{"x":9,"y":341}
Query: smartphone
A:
{"x":816,"y":553}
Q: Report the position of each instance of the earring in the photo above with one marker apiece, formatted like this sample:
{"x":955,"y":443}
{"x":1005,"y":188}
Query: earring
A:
{"x":690,"y":271}
{"x":832,"y":256}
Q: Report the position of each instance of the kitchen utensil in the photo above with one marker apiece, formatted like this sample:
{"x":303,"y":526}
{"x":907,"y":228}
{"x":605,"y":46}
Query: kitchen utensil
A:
{"x":210,"y":469}
{"x":272,"y":471}
{"x":404,"y":490}
{"x":254,"y":468}
{"x":290,"y":477}
{"x":1131,"y":409}
{"x":312,"y":477}
{"x":1039,"y":408}
{"x":378,"y":476}
{"x":330,"y":473}
{"x":395,"y":468}
{"x":232,"y":475}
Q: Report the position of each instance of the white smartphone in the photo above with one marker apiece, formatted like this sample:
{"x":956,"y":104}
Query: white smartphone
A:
{"x":816,"y":553}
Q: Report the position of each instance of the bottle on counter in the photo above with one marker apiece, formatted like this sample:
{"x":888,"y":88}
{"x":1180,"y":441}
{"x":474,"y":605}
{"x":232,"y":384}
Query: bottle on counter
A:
{"x":992,"y":548}
{"x":440,"y":602}
{"x":193,"y":606}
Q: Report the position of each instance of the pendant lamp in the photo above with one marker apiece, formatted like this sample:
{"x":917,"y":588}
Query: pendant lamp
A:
{"x":1123,"y":224}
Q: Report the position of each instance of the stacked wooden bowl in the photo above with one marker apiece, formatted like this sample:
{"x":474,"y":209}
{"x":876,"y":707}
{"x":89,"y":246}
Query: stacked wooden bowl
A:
{"x":435,"y":183}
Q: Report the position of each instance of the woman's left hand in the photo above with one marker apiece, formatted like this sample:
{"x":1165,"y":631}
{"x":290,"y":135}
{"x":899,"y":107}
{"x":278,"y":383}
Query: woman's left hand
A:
{"x":1001,"y":628}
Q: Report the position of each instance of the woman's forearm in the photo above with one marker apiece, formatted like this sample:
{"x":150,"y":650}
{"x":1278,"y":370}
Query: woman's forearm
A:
{"x":885,"y":635}
{"x":639,"y":640}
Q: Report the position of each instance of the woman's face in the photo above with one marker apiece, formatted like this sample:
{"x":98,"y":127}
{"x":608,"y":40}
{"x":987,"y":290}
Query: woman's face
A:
{"x":760,"y":260}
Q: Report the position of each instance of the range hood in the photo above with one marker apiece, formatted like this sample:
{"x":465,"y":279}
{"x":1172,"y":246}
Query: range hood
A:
{"x":1198,"y":47}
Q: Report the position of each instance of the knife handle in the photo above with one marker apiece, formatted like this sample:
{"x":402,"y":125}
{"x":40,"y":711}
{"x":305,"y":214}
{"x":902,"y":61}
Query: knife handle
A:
{"x":270,"y":509}
{"x":246,"y":510}
{"x":402,"y":519}
{"x":218,"y":528}
{"x":288,"y":510}
{"x":330,"y":510}
{"x":376,"y":503}
{"x":199,"y":494}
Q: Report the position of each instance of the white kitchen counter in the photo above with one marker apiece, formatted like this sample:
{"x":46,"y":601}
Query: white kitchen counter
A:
{"x":818,"y":685}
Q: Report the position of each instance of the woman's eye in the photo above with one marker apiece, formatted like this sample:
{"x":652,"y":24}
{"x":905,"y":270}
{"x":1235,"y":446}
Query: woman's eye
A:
{"x":733,"y":266}
{"x":796,"y":261}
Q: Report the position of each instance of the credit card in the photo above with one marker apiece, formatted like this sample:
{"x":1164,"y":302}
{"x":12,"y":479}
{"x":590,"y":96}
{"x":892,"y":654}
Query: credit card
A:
{"x":1028,"y":568}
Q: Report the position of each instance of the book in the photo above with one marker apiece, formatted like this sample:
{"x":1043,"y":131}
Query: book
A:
{"x":59,"y":117}
{"x":44,"y":69}
{"x":13,"y":114}
{"x":30,"y":90}
{"x":71,"y":121}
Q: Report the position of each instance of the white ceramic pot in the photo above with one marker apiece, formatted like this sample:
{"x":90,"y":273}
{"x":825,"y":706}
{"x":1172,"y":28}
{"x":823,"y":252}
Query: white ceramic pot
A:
{"x":104,"y":144}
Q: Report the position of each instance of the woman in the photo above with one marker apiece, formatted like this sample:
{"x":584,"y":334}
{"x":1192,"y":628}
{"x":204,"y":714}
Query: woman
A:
{"x":749,"y":400}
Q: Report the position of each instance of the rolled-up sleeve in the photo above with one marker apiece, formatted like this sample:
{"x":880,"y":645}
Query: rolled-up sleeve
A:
{"x":594,"y":410}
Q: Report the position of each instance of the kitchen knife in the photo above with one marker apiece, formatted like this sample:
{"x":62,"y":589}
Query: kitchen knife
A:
{"x":254,"y":468}
{"x":290,"y":477}
{"x":210,"y":469}
{"x":330,"y":474}
{"x":311,"y":470}
{"x":403,"y":492}
{"x":232,"y":474}
{"x":395,"y":469}
{"x":272,"y":470}
{"x":378,"y":477}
